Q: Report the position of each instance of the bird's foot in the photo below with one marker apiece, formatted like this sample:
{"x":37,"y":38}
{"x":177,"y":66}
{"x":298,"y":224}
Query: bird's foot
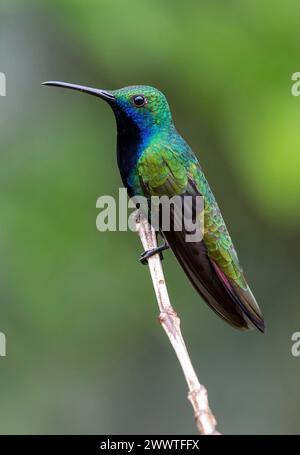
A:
{"x":147,"y":254}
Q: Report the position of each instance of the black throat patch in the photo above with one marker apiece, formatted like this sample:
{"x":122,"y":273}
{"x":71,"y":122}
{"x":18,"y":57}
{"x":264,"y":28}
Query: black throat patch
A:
{"x":128,"y":144}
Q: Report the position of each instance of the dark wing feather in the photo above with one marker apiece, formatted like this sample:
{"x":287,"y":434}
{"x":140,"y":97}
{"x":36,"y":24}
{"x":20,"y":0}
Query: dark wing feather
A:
{"x":211,"y":264}
{"x":229,"y":301}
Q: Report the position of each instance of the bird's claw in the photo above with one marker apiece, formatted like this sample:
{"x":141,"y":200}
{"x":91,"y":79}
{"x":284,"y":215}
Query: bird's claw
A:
{"x":147,"y":254}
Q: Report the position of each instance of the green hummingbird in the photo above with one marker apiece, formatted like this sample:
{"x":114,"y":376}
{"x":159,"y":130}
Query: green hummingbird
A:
{"x":154,"y":160}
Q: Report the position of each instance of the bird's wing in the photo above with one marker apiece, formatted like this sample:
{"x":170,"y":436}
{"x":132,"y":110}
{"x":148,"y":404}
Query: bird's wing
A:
{"x":211,"y":264}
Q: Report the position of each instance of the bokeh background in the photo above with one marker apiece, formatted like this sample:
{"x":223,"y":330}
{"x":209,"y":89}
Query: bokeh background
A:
{"x":85,"y":353}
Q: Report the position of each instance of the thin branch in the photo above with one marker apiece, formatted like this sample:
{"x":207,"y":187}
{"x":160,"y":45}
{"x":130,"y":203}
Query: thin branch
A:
{"x":205,"y":420}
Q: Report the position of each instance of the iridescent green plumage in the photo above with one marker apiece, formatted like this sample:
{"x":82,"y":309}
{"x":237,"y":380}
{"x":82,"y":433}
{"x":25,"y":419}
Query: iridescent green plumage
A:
{"x":154,"y":160}
{"x":166,"y":171}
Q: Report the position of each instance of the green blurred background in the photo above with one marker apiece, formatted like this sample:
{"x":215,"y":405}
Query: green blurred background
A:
{"x":85,"y":353}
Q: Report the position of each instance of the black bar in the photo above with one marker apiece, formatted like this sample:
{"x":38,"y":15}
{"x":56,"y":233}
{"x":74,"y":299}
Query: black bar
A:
{"x":136,"y":444}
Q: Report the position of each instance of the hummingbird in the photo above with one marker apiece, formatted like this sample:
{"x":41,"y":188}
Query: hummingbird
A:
{"x":155,"y":160}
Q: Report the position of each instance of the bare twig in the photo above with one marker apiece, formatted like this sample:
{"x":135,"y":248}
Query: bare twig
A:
{"x":205,"y":420}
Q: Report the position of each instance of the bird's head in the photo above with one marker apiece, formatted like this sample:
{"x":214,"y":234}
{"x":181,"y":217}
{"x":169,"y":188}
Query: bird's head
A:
{"x":144,"y":107}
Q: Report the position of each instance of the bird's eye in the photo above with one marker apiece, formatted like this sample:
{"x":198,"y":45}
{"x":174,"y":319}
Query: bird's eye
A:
{"x":139,"y":100}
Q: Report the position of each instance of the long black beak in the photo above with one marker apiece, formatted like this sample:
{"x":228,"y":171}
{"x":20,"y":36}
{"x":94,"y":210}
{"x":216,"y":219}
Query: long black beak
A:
{"x":81,"y":88}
